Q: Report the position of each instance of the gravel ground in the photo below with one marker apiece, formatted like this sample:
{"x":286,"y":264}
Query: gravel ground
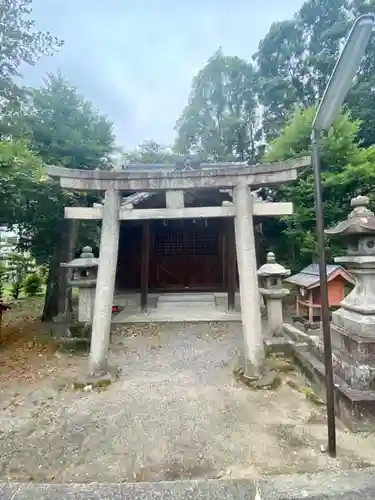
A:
{"x":176,"y":412}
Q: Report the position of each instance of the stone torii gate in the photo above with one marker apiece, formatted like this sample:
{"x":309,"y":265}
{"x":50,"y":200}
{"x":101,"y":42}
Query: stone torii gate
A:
{"x":236,"y":177}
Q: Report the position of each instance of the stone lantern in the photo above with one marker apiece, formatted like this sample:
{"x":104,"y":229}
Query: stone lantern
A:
{"x":85,"y":269}
{"x":272,"y":290}
{"x":356,"y":317}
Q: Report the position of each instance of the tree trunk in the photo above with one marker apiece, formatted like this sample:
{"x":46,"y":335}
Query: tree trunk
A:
{"x":58,"y":298}
{"x":73,"y":236}
{"x":50,"y":308}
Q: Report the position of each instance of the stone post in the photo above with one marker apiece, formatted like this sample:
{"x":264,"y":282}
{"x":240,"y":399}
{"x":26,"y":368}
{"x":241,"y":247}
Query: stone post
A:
{"x":248,"y":281}
{"x":105,"y":286}
{"x":273,"y":292}
{"x":86,"y":299}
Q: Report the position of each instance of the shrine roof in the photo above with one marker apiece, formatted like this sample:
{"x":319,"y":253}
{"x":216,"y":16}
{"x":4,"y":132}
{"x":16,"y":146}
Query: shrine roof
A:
{"x":309,"y":276}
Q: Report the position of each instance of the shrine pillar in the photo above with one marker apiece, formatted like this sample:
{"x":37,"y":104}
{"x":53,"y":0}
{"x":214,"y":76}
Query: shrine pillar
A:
{"x":248,"y":281}
{"x":105,"y":286}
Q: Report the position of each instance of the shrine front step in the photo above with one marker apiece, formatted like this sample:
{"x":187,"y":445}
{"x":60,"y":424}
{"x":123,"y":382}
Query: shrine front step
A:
{"x":183,"y":301}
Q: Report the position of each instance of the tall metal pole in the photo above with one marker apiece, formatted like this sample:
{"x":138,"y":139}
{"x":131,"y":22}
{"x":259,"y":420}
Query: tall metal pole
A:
{"x":319,"y":208}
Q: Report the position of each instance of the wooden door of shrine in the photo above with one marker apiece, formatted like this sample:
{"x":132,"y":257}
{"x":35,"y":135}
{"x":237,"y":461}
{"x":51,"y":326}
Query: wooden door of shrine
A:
{"x":186,"y":255}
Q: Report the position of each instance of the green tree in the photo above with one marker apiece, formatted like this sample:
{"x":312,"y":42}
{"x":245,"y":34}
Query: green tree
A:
{"x":63,"y":129}
{"x":18,"y":266}
{"x":220,"y":120}
{"x":347,"y":170}
{"x":21,"y":43}
{"x":296,"y":58}
{"x":150,"y":152}
{"x":20,"y":173}
{"x":32,"y":284}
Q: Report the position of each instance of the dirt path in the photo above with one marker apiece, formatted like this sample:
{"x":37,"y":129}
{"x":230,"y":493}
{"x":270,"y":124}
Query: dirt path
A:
{"x":176,"y":412}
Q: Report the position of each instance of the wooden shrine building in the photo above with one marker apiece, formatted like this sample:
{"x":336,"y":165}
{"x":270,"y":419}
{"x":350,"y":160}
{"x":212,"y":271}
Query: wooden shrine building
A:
{"x":179,"y":254}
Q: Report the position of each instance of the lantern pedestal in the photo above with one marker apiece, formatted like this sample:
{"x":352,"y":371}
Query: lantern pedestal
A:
{"x":76,"y":335}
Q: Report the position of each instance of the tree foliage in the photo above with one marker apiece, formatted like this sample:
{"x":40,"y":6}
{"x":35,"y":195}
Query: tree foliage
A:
{"x":220,"y":120}
{"x":150,"y":152}
{"x":296,"y":58}
{"x":60,"y":128}
{"x":21,"y":43}
{"x":64,"y":129}
{"x":347,"y":170}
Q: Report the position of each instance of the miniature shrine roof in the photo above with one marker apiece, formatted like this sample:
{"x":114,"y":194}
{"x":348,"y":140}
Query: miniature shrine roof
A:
{"x":309,"y":276}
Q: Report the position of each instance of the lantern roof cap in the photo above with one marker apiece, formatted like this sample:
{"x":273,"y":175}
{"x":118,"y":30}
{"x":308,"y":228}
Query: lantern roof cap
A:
{"x":360,"y":221}
{"x":272,"y":268}
{"x":85,"y":260}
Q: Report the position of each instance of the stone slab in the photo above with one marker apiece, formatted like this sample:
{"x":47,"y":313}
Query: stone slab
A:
{"x":186,"y":297}
{"x":179,"y":490}
{"x":187,"y":315}
{"x":343,"y":485}
{"x":8,"y":491}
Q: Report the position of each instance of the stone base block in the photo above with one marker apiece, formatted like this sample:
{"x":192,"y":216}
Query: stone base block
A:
{"x":356,"y":374}
{"x":60,"y":325}
{"x":73,"y":344}
{"x":267,"y":379}
{"x":77,"y":338}
{"x":355,"y":408}
{"x":97,"y":380}
{"x":360,"y":324}
{"x":362,"y":349}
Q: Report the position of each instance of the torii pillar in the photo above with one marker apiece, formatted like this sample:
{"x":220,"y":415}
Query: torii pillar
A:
{"x":248,"y":281}
{"x":105,"y":285}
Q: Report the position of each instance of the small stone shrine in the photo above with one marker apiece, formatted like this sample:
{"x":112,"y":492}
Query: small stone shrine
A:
{"x":85,"y":269}
{"x":273,"y":292}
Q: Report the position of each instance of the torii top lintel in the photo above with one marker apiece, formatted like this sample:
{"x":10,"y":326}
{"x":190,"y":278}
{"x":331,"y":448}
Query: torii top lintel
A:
{"x":213,"y":175}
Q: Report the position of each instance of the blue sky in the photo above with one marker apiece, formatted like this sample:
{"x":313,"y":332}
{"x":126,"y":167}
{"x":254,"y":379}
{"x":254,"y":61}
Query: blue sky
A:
{"x":134,"y":60}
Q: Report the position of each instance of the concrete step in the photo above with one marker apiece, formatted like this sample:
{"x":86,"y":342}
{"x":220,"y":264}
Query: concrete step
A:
{"x":195,"y":298}
{"x":185,"y":306}
{"x":340,"y":485}
{"x":174,"y":490}
{"x":176,"y":304}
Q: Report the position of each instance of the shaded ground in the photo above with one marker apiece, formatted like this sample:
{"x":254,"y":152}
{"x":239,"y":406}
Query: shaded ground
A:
{"x":23,"y":349}
{"x":175,"y":413}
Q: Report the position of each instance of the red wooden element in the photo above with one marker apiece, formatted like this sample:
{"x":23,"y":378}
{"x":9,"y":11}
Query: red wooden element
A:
{"x":310,"y":303}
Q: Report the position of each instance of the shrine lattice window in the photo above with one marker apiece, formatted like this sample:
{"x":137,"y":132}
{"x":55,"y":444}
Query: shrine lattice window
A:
{"x":170,"y":244}
{"x":190,"y":243}
{"x":202,"y":243}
